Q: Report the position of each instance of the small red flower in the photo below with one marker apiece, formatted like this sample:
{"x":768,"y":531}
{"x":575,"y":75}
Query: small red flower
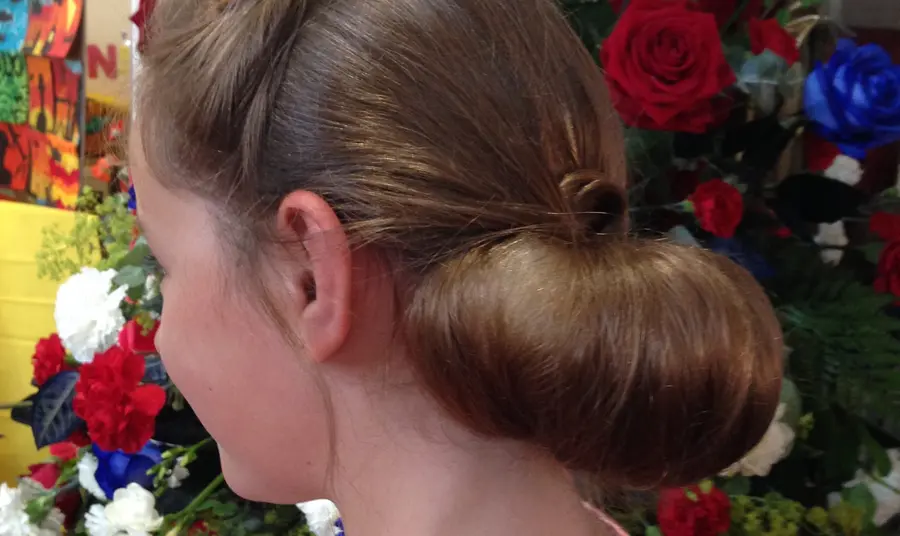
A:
{"x":691,"y":512}
{"x":767,"y":34}
{"x":65,"y":451}
{"x":719,"y":207}
{"x":888,"y":271}
{"x":49,"y":359}
{"x":45,"y":474}
{"x":885,"y":226}
{"x":132,"y":338}
{"x":119,"y":412}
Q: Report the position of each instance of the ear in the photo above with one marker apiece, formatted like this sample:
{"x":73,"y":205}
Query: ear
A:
{"x":322,"y":284}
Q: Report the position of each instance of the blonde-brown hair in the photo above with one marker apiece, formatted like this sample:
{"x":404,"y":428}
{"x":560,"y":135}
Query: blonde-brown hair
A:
{"x":473,"y":143}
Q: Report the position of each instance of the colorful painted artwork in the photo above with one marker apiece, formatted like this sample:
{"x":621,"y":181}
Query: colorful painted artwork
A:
{"x":13,"y":24}
{"x":13,"y":89}
{"x":17,"y":144}
{"x":55,"y":97}
{"x":43,"y":167}
{"x":52,"y":27}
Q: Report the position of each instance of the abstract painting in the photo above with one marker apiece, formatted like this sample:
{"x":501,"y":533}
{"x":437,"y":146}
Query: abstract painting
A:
{"x":13,"y":89}
{"x":55,"y":97}
{"x":52,"y":27}
{"x":13,"y":24}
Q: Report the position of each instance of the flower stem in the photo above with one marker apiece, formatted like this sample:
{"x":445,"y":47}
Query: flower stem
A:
{"x":16,"y":405}
{"x":184,"y":515}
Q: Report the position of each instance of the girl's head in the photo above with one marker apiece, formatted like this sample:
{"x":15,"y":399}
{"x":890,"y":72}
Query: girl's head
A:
{"x":417,"y":207}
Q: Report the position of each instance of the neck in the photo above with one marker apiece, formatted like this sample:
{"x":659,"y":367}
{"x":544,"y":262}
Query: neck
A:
{"x":435,"y":479}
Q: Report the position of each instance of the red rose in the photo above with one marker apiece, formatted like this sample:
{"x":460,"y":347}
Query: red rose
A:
{"x":79,"y":438}
{"x":888,"y":278}
{"x":768,"y":34}
{"x":885,"y":226}
{"x":45,"y":474}
{"x":119,"y":412}
{"x":718,"y":206}
{"x":132,"y":338}
{"x":724,"y":9}
{"x":665,"y":66}
{"x":690,"y":512}
{"x":49,"y":359}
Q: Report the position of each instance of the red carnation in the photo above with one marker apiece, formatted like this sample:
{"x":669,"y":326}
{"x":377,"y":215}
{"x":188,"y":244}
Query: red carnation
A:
{"x":119,"y":412}
{"x":818,"y":152}
{"x":65,"y":451}
{"x":45,"y":474}
{"x":49,"y":359}
{"x":133,"y":339}
{"x":719,"y":207}
{"x":885,"y":226}
{"x":691,"y":512}
{"x":769,"y":35}
{"x":888,"y":278}
{"x":666,"y":68}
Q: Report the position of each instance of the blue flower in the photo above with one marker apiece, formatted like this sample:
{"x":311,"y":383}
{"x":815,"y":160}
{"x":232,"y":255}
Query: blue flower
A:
{"x":750,"y":260}
{"x":854,"y":99}
{"x":117,"y":469}
{"x":132,"y":199}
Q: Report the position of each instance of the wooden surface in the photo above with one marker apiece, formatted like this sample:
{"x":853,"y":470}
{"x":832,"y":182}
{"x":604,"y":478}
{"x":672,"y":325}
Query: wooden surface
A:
{"x":26,"y":315}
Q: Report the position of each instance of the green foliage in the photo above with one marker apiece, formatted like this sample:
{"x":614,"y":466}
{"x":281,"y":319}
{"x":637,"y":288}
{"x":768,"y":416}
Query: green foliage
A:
{"x":593,"y":20}
{"x":100,"y":237}
{"x":844,"y":346}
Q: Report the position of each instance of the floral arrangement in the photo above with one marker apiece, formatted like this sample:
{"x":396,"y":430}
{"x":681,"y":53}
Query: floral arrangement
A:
{"x":749,"y":126}
{"x":128,"y":456}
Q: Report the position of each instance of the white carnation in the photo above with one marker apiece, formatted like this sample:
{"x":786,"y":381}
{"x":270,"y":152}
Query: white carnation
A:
{"x":132,"y":512}
{"x":775,"y":445}
{"x":835,"y":235}
{"x":15,"y":522}
{"x":883,"y":490}
{"x":87,"y":476}
{"x":321,"y":517}
{"x":845,"y":169}
{"x":88,"y":317}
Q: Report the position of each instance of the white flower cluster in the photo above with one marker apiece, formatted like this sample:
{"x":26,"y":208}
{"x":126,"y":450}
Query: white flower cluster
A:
{"x":322,"y":517}
{"x":774,"y":446}
{"x":88,"y":314}
{"x":132,"y":512}
{"x":14,"y":521}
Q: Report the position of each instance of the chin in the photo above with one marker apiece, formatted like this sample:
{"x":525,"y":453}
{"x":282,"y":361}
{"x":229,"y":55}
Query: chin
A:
{"x":253,"y":486}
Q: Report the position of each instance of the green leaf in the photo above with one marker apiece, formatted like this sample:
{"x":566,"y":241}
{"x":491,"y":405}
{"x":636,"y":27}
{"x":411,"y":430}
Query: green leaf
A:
{"x":653,"y":531}
{"x":783,"y":17}
{"x":136,"y":256}
{"x":877,"y":455}
{"x":872,"y":251}
{"x":861,"y":497}
{"x":736,"y":485}
{"x":131,"y":276}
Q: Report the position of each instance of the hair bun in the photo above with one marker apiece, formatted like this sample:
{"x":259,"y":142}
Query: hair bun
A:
{"x":645,"y":363}
{"x":597,"y":204}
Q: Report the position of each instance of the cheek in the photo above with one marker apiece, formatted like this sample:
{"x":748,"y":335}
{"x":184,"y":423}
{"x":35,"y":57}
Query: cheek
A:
{"x":252,"y":391}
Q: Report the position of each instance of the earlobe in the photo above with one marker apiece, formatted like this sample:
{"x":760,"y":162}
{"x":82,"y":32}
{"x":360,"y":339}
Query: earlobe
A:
{"x":324,"y":282}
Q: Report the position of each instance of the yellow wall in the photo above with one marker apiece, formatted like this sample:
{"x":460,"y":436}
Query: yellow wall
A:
{"x":26,"y":315}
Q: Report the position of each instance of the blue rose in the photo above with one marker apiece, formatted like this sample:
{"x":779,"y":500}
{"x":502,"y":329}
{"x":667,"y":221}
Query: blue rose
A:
{"x":117,"y":469}
{"x":854,"y":99}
